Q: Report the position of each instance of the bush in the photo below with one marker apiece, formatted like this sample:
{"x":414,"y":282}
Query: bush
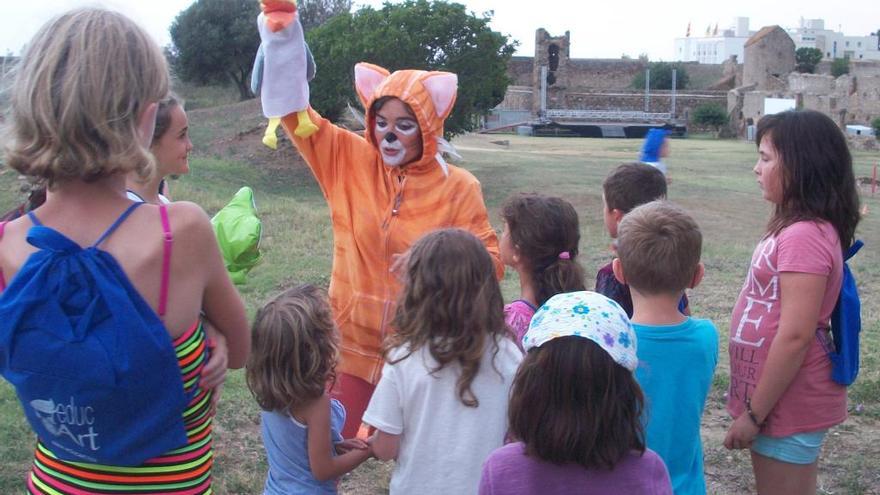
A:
{"x":876,"y":125}
{"x":807,"y":59}
{"x":661,"y":76}
{"x":840,"y":66}
{"x":710,"y":115}
{"x":414,"y":34}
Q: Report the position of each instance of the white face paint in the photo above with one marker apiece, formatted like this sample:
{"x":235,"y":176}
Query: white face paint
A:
{"x":392,"y":153}
{"x":397,"y":134}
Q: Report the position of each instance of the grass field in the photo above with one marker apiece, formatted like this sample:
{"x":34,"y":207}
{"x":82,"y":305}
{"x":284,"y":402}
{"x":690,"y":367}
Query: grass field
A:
{"x":711,"y":179}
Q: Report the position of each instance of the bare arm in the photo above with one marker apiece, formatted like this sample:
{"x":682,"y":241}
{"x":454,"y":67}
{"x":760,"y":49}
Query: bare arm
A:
{"x":800,"y":298}
{"x":325,"y":466}
{"x":221,"y":301}
{"x":385,"y":445}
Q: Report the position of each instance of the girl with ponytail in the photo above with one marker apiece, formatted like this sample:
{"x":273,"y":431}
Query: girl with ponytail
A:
{"x":540,"y":241}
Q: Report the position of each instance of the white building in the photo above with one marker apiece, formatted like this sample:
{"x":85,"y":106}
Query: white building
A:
{"x":834,"y":44}
{"x":715,"y":47}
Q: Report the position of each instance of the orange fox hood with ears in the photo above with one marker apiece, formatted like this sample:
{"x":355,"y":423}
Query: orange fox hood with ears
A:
{"x":430,"y":95}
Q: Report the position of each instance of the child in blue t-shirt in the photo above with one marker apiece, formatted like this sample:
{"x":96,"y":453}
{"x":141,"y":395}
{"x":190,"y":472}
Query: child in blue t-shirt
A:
{"x":291,"y":367}
{"x":659,"y":257}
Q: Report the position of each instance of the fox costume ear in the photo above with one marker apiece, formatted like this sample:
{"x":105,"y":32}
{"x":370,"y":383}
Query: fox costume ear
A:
{"x":368,"y":77}
{"x":443,"y":88}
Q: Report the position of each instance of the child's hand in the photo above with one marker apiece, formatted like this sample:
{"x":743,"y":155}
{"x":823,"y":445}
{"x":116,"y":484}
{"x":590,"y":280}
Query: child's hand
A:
{"x":351,"y":444}
{"x":214,"y":372}
{"x":741,"y":433}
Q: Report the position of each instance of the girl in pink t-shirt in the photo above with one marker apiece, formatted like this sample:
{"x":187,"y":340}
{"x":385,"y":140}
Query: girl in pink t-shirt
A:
{"x":540,"y":241}
{"x":781,"y":392}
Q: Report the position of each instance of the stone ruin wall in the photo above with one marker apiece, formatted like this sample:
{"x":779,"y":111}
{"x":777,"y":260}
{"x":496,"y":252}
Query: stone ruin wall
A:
{"x":522,"y":97}
{"x":847,"y":99}
{"x":597,"y":84}
{"x":853,"y":98}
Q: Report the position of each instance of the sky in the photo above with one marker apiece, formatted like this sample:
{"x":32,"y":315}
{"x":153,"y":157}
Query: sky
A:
{"x":598,"y":29}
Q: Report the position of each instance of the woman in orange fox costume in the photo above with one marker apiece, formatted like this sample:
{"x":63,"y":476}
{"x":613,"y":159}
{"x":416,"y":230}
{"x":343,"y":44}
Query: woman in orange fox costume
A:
{"x":385,"y":190}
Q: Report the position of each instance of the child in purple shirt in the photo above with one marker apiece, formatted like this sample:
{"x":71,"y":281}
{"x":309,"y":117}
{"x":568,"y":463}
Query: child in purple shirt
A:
{"x":540,"y":241}
{"x":575,"y":408}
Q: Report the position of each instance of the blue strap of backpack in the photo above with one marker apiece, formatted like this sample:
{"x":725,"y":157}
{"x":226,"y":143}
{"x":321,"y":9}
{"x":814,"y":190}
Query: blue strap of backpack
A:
{"x":856,"y":246}
{"x":115,"y":224}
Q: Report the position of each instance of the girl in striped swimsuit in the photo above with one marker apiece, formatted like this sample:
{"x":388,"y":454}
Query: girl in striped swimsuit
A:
{"x":83,"y":109}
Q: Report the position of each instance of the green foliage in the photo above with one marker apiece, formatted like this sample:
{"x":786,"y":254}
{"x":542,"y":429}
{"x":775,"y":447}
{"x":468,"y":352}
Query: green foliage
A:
{"x":709,"y":115}
{"x":416,"y":34}
{"x":807,"y":59}
{"x":661,"y":76}
{"x":215,"y":41}
{"x":840,"y":66}
{"x":313,"y":13}
{"x":876,"y":125}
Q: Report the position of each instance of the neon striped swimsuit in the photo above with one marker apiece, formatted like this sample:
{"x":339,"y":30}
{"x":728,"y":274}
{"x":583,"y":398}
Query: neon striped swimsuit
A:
{"x":184,"y":471}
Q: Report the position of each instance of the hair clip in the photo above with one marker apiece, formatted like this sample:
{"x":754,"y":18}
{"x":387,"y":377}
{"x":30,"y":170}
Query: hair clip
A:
{"x":565,"y":255}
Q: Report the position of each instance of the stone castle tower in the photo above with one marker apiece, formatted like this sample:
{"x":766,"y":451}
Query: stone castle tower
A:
{"x":554,"y":53}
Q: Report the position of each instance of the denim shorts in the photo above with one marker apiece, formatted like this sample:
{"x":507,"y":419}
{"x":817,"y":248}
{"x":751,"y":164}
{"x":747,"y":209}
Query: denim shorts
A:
{"x":800,"y":448}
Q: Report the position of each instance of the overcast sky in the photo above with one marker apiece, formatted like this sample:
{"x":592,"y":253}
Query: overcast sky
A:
{"x":606,"y":29}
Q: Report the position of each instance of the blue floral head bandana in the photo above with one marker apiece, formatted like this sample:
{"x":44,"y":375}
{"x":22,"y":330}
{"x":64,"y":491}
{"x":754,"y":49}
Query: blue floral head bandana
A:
{"x":589,"y":315}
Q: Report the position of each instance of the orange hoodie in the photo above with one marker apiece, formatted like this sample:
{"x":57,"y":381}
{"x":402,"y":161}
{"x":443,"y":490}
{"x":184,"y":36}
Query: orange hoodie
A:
{"x":378,"y":211}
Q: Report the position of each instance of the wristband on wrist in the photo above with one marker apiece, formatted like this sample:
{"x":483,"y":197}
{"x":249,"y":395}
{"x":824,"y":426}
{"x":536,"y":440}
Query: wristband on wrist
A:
{"x":759,"y":424}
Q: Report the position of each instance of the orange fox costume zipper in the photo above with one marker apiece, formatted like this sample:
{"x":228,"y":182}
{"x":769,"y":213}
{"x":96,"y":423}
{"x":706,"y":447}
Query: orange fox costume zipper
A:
{"x":386,"y":227}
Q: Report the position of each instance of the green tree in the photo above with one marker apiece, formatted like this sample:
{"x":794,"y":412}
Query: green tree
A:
{"x":416,"y":34}
{"x":215,"y":41}
{"x":807,"y":59}
{"x":313,"y":13}
{"x":840,"y":66}
{"x":710,"y":115}
{"x":661,"y":76}
{"x":876,"y":125}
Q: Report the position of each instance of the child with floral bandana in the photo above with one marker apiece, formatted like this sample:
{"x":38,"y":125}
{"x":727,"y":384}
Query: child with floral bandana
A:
{"x":575,"y":408}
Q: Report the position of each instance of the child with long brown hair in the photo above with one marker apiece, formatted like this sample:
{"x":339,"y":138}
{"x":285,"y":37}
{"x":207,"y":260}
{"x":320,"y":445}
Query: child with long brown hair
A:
{"x":440,"y":405}
{"x":781,"y":389}
{"x":292,"y":366}
{"x":575,"y":408}
{"x":540,"y":241}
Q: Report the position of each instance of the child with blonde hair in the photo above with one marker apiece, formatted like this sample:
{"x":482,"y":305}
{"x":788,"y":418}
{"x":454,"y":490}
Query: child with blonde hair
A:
{"x":440,"y":407}
{"x":83,"y":110}
{"x":289,"y":373}
{"x":540,"y":241}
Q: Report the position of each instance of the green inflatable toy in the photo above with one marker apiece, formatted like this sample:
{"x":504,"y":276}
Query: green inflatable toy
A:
{"x":238,"y":230}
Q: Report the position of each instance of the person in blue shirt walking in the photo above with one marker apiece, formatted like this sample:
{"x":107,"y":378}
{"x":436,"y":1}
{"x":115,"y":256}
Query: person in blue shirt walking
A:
{"x":659,"y":257}
{"x":654,"y":149}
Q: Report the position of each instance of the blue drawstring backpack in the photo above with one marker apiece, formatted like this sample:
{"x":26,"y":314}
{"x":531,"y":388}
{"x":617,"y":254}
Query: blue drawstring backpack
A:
{"x":91,"y":362}
{"x":846,"y":323}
